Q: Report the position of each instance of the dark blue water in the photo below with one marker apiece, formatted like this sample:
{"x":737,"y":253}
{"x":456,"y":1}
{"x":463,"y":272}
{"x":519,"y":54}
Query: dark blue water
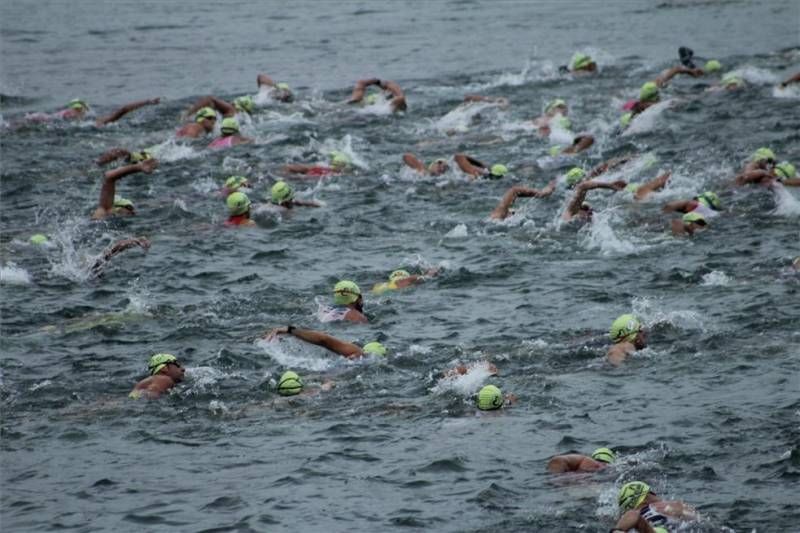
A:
{"x":708,"y":413}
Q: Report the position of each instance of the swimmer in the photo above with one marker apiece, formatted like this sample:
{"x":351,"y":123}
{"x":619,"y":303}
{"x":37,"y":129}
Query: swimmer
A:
{"x":165,"y":373}
{"x":729,"y":82}
{"x":579,"y":64}
{"x":648,"y":96}
{"x":283,"y":196}
{"x":477,"y":169}
{"x":645,"y":512}
{"x":204,"y":121}
{"x":224,"y":108}
{"x":392,"y":90}
{"x":230,"y":135}
{"x":343,"y":348}
{"x":580,"y":143}
{"x":117,"y":248}
{"x":784,"y":173}
{"x":578,"y":208}
{"x":628,"y":335}
{"x":491,"y":398}
{"x":689,"y":224}
{"x":348,"y":302}
{"x":277,"y":91}
{"x":76,"y":110}
{"x":761,"y":159}
{"x":555,"y":111}
{"x":121,"y":153}
{"x":234,"y":184}
{"x":239,"y":210}
{"x":575,"y":462}
{"x":290,"y":384}
{"x":665,"y":77}
{"x":707,"y":204}
{"x":788,"y":81}
{"x":339,"y":162}
{"x":400,"y":279}
{"x":109,"y":204}
{"x":436,"y":168}
{"x":463,"y":370}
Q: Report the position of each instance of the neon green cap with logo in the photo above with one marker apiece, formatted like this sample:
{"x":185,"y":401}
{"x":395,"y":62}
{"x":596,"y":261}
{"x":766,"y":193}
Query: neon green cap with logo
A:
{"x":346,"y":292}
{"x":238,"y":203}
{"x":625,"y":328}
{"x":159,"y":361}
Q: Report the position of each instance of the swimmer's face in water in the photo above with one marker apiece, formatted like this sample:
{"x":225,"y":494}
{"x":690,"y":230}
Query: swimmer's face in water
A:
{"x":359,"y":304}
{"x":641,"y":339}
{"x":438,"y":168}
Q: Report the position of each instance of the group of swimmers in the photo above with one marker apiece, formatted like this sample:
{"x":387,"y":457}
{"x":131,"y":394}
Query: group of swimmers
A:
{"x":642,"y":509}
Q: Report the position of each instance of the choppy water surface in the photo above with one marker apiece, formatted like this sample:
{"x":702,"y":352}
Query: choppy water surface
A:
{"x":708,"y":413}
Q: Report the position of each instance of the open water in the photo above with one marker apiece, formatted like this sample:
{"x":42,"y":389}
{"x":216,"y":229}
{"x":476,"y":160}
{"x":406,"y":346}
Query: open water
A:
{"x":708,"y":413}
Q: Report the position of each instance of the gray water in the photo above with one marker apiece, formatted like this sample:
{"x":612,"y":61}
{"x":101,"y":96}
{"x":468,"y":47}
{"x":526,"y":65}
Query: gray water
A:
{"x":708,"y":413}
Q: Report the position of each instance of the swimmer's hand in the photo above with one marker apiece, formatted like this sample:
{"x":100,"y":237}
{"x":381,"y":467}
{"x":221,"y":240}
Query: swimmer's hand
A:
{"x":273,"y":334}
{"x":618,"y":185}
{"x":142,"y":242}
{"x":153,"y":101}
{"x":695,"y":72}
{"x":148,"y":166}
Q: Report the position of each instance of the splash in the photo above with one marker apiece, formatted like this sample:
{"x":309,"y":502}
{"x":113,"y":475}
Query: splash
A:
{"x":787,"y":204}
{"x":170,"y":150}
{"x":756,"y":76}
{"x":458,"y":232}
{"x":464,"y":384}
{"x":646,"y":121}
{"x":290,"y":353}
{"x":599,"y":235}
{"x":715,"y":278}
{"x":651,"y":313}
{"x":463,"y":116}
{"x":71,"y":262}
{"x":11,"y":274}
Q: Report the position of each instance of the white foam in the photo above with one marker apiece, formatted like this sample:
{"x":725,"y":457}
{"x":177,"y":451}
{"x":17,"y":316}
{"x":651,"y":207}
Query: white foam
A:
{"x":600,"y":235}
{"x":291,"y":353}
{"x":715,"y":278}
{"x":170,"y":150}
{"x":651,"y":312}
{"x":787,"y":204}
{"x":464,"y":384}
{"x":458,"y":232}
{"x":756,"y":76}
{"x":790,"y":91}
{"x":646,"y":120}
{"x":11,"y":274}
{"x":462,"y":117}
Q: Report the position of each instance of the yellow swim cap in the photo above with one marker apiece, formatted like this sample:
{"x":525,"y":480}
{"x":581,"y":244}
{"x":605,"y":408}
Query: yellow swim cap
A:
{"x":498,"y":171}
{"x":122,"y":203}
{"x":579,"y":61}
{"x":159,"y":361}
{"x":77,"y":104}
{"x":632,"y":494}
{"x":763,"y":154}
{"x":245,"y":104}
{"x":238,"y":203}
{"x":374,"y":348}
{"x":785,"y":170}
{"x":712,"y":65}
{"x":234,"y":183}
{"x":695,"y":217}
{"x":290,"y":384}
{"x":339,"y":160}
{"x":648,"y":92}
{"x":575,"y":176}
{"x":345,"y":292}
{"x":204,"y":113}
{"x":625,"y":328}
{"x":398,"y":275}
{"x":490,"y":398}
{"x":230,"y":126}
{"x":558,"y":102}
{"x":604,"y":455}
{"x":281,"y":192}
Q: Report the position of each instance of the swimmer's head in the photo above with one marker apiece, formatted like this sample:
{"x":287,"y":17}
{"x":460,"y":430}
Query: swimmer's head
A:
{"x":763,"y":154}
{"x":580,"y":61}
{"x":234,"y":183}
{"x":575,"y":176}
{"x":632,"y":188}
{"x":346,"y":292}
{"x":38,"y":239}
{"x":339,"y":160}
{"x":282,"y":92}
{"x":625,"y":328}
{"x":78,"y":105}
{"x":648,"y":92}
{"x":374,"y":348}
{"x":731,"y":81}
{"x":632,"y":495}
{"x":281,"y":193}
{"x":564,"y":123}
{"x":123,"y":206}
{"x":693,"y":217}
{"x":238,"y":203}
{"x":289,"y":384}
{"x":138,"y":157}
{"x":785,"y":170}
{"x":244,"y":104}
{"x":712,"y":65}
{"x":159,"y":361}
{"x":554,"y":150}
{"x":371,"y":99}
{"x":498,"y":171}
{"x":282,"y":86}
{"x":438,"y":167}
{"x":229,"y":126}
{"x":205,"y":113}
{"x":710,"y":199}
{"x":625,"y":119}
{"x":556,"y":105}
{"x":398,"y":275}
{"x":604,"y":455}
{"x":490,"y":398}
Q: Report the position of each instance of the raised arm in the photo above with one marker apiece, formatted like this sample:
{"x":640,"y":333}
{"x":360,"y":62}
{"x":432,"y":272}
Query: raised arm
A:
{"x":124,"y":110}
{"x":668,"y":74}
{"x":609,"y":165}
{"x":347,"y":349}
{"x":502,"y":210}
{"x":470,"y":165}
{"x":112,"y":155}
{"x":398,"y":96}
{"x":575,"y":204}
{"x":411,"y":160}
{"x":754,"y":176}
{"x":579,"y":144}
{"x":118,"y":247}
{"x":632,"y":520}
{"x":360,"y":89}
{"x":226,"y":109}
{"x":793,"y":79}
{"x":264,"y":81}
{"x":109,"y":188}
{"x":681,"y":206}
